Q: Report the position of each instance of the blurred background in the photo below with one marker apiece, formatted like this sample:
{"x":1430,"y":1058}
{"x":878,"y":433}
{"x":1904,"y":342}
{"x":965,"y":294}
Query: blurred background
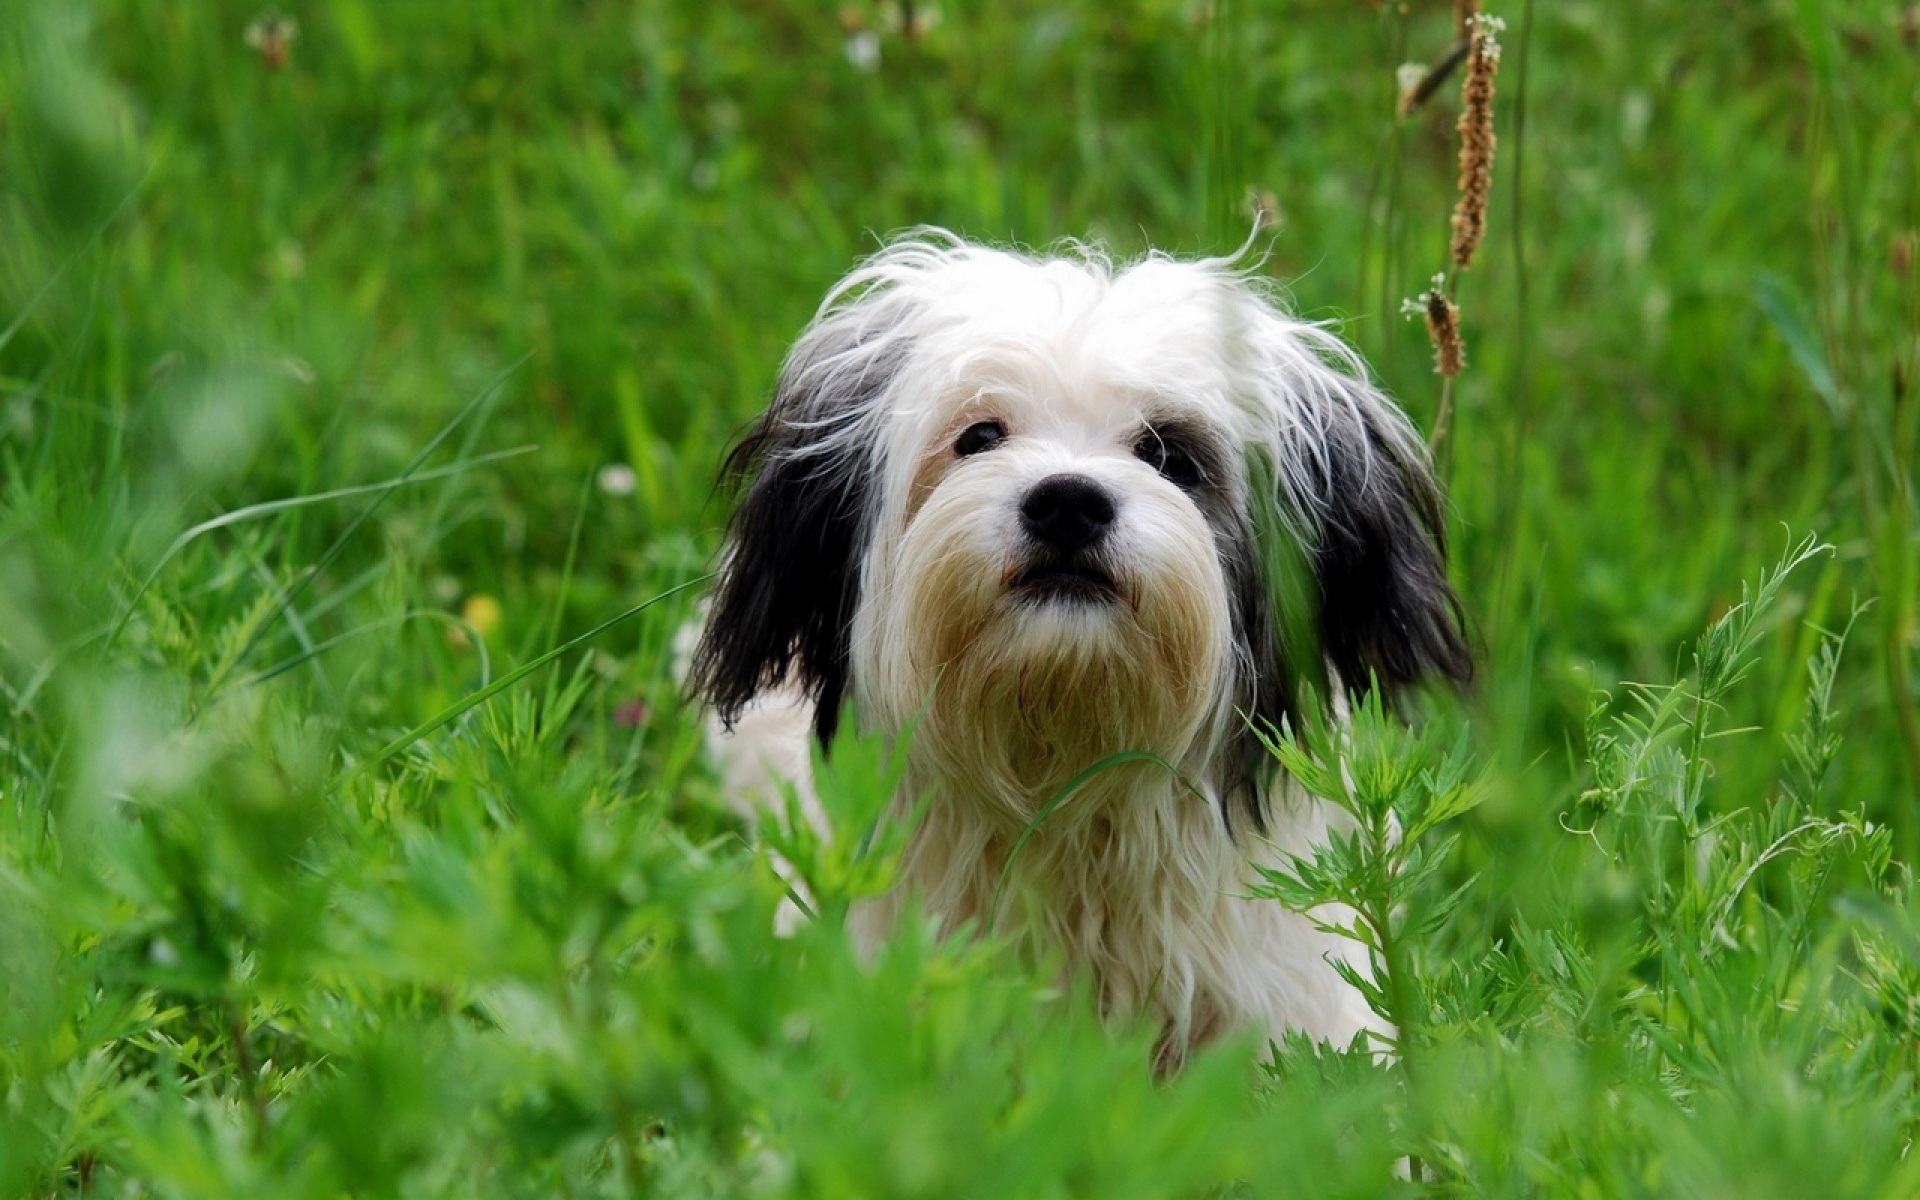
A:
{"x":530,"y":265}
{"x":255,"y":253}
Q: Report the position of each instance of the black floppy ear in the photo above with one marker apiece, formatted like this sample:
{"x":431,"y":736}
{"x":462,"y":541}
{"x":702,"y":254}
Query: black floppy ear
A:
{"x":1386,"y":610}
{"x":790,"y":581}
{"x":1340,"y":565}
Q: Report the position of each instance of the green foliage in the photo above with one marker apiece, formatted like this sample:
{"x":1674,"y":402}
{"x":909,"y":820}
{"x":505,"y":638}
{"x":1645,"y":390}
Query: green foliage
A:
{"x":1716,"y":988}
{"x":358,"y":422}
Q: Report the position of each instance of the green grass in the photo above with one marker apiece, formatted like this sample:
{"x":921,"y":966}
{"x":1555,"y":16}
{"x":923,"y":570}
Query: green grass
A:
{"x":284,"y":911}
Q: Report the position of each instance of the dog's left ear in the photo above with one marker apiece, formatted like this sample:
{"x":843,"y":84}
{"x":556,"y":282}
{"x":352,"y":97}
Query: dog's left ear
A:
{"x":1341,"y":565}
{"x":1355,"y":508}
{"x":1386,"y":610}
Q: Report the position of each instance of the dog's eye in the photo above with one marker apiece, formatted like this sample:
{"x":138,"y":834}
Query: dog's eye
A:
{"x":1170,"y":458}
{"x":983,"y":435}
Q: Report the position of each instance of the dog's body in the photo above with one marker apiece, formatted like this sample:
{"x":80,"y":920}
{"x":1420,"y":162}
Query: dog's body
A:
{"x":1046,"y":512}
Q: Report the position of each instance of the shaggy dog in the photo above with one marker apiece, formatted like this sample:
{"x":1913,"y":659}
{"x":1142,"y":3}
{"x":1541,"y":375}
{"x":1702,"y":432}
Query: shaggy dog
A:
{"x":1046,"y":509}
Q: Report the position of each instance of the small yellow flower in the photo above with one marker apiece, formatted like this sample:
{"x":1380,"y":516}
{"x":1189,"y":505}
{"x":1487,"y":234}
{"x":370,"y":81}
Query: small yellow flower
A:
{"x":481,"y":613}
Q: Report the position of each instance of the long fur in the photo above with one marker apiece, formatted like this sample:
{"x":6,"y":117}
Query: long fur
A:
{"x":875,"y":560}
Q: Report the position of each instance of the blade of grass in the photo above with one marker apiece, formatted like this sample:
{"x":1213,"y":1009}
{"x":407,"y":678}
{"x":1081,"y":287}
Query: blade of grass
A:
{"x":506,"y":681}
{"x":573,"y":550}
{"x":1514,"y":476}
{"x":254,"y":512}
{"x":319,"y":567}
{"x":59,"y":272}
{"x":296,"y":623}
{"x":313,"y":651}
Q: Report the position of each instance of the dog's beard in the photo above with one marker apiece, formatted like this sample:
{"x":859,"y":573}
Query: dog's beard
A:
{"x":1019,"y":690}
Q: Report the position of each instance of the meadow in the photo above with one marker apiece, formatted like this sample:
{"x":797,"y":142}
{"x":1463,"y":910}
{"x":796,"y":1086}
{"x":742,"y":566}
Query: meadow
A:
{"x":364,"y":375}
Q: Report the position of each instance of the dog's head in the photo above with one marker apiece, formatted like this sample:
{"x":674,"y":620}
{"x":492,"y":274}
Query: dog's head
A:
{"x":1065,"y":510}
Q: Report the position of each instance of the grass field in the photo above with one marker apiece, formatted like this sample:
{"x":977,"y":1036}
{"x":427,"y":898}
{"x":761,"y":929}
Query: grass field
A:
{"x":346,"y":375}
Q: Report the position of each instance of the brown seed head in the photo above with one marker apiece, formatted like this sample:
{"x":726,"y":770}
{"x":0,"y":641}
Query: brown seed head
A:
{"x":1900,"y":253}
{"x":1442,"y":316}
{"x":271,"y":34}
{"x":1476,"y":139}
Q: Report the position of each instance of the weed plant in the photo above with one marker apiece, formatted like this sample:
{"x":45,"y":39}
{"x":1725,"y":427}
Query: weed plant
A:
{"x":363,"y":377}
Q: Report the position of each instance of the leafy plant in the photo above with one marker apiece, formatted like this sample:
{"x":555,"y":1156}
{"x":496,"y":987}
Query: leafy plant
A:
{"x":363,"y":376}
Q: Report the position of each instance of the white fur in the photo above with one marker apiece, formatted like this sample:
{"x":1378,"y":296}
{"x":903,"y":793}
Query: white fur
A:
{"x":1136,"y":879}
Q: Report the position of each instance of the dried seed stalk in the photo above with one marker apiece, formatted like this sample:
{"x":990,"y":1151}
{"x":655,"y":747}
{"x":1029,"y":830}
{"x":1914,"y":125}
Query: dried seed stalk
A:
{"x":1476,"y":139}
{"x":1443,"y":329}
{"x":1442,"y":316}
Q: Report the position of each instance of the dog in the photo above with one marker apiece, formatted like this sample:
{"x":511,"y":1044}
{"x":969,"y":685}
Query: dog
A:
{"x":1041,"y":510}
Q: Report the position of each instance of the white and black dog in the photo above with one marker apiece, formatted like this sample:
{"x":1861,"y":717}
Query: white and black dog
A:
{"x":1051,"y":510}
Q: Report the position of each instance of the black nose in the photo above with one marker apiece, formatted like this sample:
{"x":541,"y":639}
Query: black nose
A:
{"x":1067,"y":513}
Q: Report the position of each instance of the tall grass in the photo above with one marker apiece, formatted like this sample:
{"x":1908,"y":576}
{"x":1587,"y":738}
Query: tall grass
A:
{"x":313,"y":885}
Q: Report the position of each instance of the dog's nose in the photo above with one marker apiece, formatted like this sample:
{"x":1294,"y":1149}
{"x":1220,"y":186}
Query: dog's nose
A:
{"x":1067,"y":512}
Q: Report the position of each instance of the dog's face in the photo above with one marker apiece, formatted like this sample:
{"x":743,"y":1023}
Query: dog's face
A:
{"x":1054,"y":511}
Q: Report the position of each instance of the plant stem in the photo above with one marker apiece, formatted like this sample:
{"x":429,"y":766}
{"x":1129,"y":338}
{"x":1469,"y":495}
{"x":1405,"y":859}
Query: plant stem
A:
{"x":1385,"y":849}
{"x":1441,"y":444}
{"x":1514,"y":481}
{"x":249,"y":1072}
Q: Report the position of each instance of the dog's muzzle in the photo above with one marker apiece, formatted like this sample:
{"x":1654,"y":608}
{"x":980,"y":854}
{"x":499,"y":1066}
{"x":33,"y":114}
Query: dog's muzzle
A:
{"x":1067,"y":516}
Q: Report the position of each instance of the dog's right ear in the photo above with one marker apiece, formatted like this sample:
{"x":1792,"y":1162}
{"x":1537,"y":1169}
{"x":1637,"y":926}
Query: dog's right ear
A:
{"x":790,"y":581}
